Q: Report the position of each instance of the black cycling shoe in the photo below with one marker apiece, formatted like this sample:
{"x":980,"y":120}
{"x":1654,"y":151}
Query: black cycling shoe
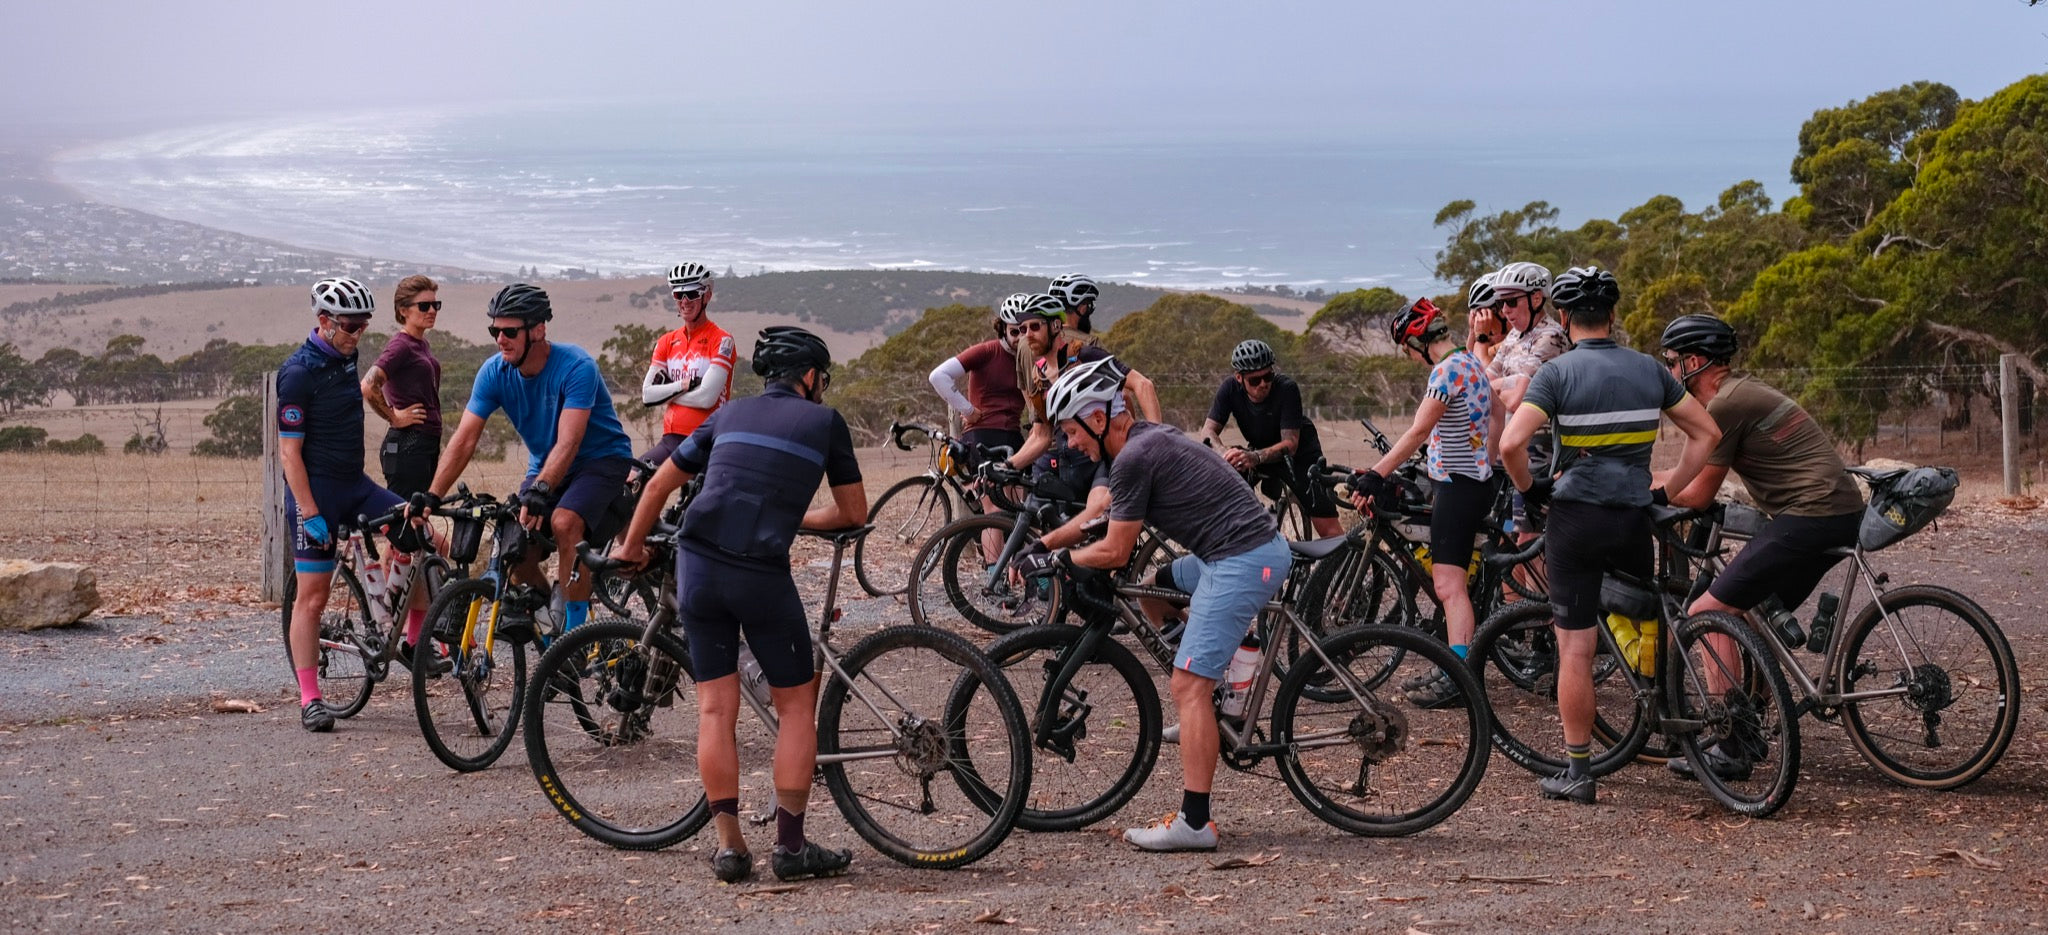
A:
{"x":731,"y":865}
{"x":442,"y":665}
{"x":812,"y":861}
{"x":1723,"y":766}
{"x":315,"y":717}
{"x":1434,"y":691}
{"x":1564,"y":786}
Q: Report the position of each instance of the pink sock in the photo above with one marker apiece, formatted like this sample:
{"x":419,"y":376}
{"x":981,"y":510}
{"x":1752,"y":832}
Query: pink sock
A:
{"x":309,"y":685}
{"x":414,"y":620}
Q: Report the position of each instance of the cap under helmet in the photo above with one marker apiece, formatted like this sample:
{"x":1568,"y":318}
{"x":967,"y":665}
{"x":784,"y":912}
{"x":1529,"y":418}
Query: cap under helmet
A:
{"x":1585,"y":288}
{"x":688,"y":276}
{"x":342,"y":296}
{"x":1704,"y":335}
{"x":1418,"y":326}
{"x":1482,"y":294}
{"x":1252,"y":354}
{"x":788,"y":351}
{"x":1084,"y":385}
{"x":1012,"y":310}
{"x":1073,"y":290}
{"x":1521,"y":277}
{"x":522,"y":301}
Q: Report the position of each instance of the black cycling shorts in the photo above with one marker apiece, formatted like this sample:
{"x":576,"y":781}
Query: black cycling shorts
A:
{"x":1583,"y":541}
{"x":1787,"y":558}
{"x":990,"y":438}
{"x":719,"y":600}
{"x":1456,"y":516}
{"x":408,"y":459}
{"x":658,"y":454}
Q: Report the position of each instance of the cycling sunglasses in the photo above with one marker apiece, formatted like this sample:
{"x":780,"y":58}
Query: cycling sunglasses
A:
{"x":687,"y":295}
{"x":1032,"y":326}
{"x":433,"y":306}
{"x":511,"y":332}
{"x":1256,"y":379}
{"x":351,"y":324}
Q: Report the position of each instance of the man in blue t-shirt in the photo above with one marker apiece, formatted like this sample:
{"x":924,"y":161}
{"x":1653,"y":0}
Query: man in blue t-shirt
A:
{"x":762,"y":458}
{"x":578,"y":453}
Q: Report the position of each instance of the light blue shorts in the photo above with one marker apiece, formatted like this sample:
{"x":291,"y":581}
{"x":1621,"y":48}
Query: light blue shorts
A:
{"x":1225,"y":596}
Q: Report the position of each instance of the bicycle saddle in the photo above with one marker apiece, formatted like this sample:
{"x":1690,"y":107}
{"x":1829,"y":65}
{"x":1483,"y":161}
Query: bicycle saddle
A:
{"x":1314,"y":549}
{"x":837,"y":536}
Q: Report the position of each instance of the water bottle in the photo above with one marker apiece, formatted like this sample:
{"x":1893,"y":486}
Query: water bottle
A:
{"x":1782,"y":621}
{"x":1628,"y":639}
{"x":549,"y":620}
{"x":1237,"y":678}
{"x":1823,"y":623}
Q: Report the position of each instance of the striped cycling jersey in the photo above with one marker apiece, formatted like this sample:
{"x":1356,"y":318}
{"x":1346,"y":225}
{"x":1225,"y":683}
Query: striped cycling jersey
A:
{"x":1605,"y":401}
{"x":1461,"y":442}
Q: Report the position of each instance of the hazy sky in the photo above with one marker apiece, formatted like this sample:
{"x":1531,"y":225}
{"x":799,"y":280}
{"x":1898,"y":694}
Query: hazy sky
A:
{"x":1720,"y":67}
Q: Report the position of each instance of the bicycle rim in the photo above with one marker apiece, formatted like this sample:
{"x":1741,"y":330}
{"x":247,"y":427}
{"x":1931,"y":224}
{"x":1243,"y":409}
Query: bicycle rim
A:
{"x":343,"y":666}
{"x":469,"y":713}
{"x":1960,"y":701}
{"x":903,"y":777}
{"x":1100,"y":731}
{"x":1514,"y":656}
{"x":904,"y":516}
{"x":1386,"y":767}
{"x":1732,"y":686}
{"x":611,"y":734}
{"x":952,"y":581}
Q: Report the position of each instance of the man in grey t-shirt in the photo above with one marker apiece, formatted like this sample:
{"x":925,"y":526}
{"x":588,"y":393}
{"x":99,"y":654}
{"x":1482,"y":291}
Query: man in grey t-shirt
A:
{"x":1237,"y":561}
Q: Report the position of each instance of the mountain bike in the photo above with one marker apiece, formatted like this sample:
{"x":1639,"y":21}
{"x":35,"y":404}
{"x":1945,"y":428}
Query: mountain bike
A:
{"x":361,"y":628}
{"x":612,"y":729}
{"x":1708,"y":680}
{"x":1363,"y":759}
{"x":907,"y":514}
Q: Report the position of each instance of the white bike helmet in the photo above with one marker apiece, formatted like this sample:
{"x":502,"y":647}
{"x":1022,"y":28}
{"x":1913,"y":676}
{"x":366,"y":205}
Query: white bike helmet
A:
{"x":342,"y":296}
{"x":688,"y":276}
{"x":1083,"y":386}
{"x":1482,"y":294}
{"x":1521,"y":277}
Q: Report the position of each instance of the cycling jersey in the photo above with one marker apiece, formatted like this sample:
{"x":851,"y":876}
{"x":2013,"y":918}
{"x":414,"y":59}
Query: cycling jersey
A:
{"x":1605,"y":402}
{"x":992,"y":386}
{"x":412,"y":378}
{"x":1783,"y":456}
{"x":1521,"y":353}
{"x":1261,"y":423}
{"x":1175,"y":483}
{"x":320,"y":400}
{"x":761,"y":458}
{"x":1460,"y":443}
{"x":687,"y":354}
{"x":569,"y":380}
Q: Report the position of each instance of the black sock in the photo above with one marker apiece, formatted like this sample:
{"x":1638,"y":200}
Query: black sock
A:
{"x":1579,"y":760}
{"x":725,"y":806}
{"x":1194,"y":806}
{"x":789,"y":830}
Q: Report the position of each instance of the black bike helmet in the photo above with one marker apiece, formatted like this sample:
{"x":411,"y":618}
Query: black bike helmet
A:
{"x":1251,"y":355}
{"x":1585,"y":289}
{"x":786,"y":351}
{"x":1704,"y":335}
{"x":527,"y":303}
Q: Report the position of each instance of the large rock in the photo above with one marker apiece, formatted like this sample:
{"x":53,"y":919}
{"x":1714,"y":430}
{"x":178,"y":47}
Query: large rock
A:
{"x":34,"y":595}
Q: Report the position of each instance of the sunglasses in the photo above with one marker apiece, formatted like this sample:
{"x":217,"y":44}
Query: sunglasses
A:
{"x":433,"y":306}
{"x":512,"y":332}
{"x":1031,"y":326}
{"x":687,"y":295}
{"x":1256,"y":379}
{"x":1672,"y":361}
{"x":351,"y":325}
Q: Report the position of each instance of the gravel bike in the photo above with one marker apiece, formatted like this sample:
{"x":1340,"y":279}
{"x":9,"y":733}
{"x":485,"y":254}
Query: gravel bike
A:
{"x":612,"y":729}
{"x":907,"y":514}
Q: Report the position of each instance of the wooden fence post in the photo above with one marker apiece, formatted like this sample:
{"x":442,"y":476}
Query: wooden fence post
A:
{"x":276,"y":540}
{"x":2009,"y":419}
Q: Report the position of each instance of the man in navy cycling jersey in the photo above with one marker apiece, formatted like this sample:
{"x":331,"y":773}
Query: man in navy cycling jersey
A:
{"x":578,"y":451}
{"x":320,"y":442}
{"x":762,"y":458}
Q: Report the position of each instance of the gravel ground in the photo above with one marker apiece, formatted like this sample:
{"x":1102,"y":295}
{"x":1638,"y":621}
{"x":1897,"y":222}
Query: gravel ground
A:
{"x":129,"y":803}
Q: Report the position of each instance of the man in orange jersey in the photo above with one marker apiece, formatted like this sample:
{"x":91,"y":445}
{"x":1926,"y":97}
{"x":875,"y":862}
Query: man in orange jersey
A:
{"x":692,"y":368}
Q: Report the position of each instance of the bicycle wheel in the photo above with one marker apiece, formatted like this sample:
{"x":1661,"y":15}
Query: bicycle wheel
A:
{"x":1514,"y":656}
{"x":1095,"y":742}
{"x":1745,"y":708}
{"x":1353,"y":587}
{"x":345,"y":633}
{"x":1370,"y":762}
{"x":904,"y":516}
{"x":885,"y":739}
{"x":952,"y":577}
{"x":1955,"y":689}
{"x":611,"y":733}
{"x":469,"y":712}
{"x":1291,"y":518}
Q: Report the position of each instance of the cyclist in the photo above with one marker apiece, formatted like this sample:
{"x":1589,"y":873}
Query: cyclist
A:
{"x":1236,"y":561}
{"x":1458,"y":419}
{"x":578,"y":453}
{"x":1793,"y":472}
{"x":692,"y":368}
{"x":762,"y":458}
{"x":320,"y":445}
{"x":990,"y":408}
{"x":1605,"y":400}
{"x":1078,"y":293}
{"x":404,"y":388}
{"x":1516,"y":296}
{"x":1283,"y":442}
{"x":1044,"y":352}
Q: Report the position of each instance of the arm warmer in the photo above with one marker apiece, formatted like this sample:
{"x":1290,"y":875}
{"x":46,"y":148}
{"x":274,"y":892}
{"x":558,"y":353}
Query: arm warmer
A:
{"x":945,"y":379}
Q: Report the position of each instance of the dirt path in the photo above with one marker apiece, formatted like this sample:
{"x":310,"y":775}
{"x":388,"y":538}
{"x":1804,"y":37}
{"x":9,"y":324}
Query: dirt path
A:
{"x":129,"y":804}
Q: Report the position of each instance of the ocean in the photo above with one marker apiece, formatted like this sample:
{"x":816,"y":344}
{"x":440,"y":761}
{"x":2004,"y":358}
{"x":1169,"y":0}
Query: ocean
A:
{"x":605,"y":189}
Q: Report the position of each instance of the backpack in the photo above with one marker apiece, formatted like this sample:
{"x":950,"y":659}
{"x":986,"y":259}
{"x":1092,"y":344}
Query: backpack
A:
{"x":1903,"y":502}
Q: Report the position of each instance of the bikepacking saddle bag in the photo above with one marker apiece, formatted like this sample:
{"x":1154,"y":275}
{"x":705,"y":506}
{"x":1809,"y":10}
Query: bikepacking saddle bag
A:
{"x":1903,"y":502}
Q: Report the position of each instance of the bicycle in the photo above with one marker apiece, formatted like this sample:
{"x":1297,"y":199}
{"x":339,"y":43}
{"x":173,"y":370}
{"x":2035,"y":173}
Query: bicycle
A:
{"x":1365,"y":761}
{"x":1915,"y":667}
{"x":906,"y":514}
{"x":360,"y":627}
{"x":612,"y":733}
{"x":1515,"y":656}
